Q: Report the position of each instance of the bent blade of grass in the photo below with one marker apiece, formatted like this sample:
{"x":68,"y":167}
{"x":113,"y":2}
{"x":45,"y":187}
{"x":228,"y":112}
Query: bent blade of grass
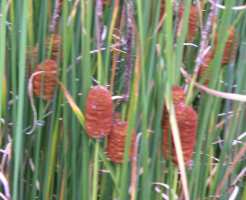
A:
{"x":178,"y":149}
{"x":79,"y":114}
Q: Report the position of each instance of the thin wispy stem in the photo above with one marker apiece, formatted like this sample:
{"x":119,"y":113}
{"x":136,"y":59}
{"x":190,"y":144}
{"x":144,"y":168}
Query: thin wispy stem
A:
{"x":56,"y":15}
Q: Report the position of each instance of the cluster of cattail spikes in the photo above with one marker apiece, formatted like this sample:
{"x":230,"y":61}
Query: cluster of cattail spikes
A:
{"x":99,"y":118}
{"x":44,"y":83}
{"x":100,"y":122}
{"x":186,"y":118}
{"x":52,"y":46}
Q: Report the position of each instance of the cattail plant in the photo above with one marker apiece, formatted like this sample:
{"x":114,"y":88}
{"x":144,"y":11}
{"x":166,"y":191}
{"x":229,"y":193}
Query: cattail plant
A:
{"x":203,"y":72}
{"x":230,"y":46}
{"x":99,"y":112}
{"x":186,"y":118}
{"x":44,"y":83}
{"x":53,"y":43}
{"x":178,"y":94}
{"x":193,"y":20}
{"x":116,"y":142}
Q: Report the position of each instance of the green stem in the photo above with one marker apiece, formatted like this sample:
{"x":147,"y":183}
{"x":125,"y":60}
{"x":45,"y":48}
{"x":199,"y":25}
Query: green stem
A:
{"x":95,"y":172}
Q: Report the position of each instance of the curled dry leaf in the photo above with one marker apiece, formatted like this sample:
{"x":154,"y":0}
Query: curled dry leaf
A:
{"x":44,"y":84}
{"x":99,"y":112}
{"x":116,"y":142}
{"x":187,"y":123}
{"x":193,"y":21}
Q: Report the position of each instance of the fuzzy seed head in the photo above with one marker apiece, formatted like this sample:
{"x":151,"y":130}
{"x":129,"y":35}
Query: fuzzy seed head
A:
{"x":187,"y":123}
{"x":193,"y":21}
{"x":178,"y":94}
{"x":54,"y":43}
{"x":116,"y":142}
{"x":99,"y":112}
{"x":44,"y":84}
{"x":204,"y":70}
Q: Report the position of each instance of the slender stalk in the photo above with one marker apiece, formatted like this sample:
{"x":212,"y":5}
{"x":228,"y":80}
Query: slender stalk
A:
{"x":18,"y":145}
{"x":95,"y":172}
{"x":2,"y":50}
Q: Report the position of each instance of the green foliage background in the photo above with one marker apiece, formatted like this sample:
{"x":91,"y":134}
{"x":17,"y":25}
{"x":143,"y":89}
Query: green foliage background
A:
{"x":59,"y":161}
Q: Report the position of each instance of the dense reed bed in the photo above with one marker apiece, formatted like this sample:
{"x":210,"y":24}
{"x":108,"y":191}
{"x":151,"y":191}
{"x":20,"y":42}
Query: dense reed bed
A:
{"x":122,"y":99}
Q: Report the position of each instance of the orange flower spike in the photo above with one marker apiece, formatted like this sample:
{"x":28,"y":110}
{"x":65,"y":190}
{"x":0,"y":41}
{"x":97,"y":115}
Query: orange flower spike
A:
{"x":116,"y":142}
{"x":187,"y":123}
{"x":193,"y":21}
{"x":178,"y":94}
{"x":203,"y":72}
{"x":54,"y":42}
{"x":99,"y":112}
{"x":44,"y":84}
{"x":178,"y":97}
{"x":229,"y":47}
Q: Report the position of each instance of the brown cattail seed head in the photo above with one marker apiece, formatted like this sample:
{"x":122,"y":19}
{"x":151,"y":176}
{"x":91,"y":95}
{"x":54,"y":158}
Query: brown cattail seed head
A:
{"x":116,"y":142}
{"x":54,"y":44}
{"x":230,"y":47}
{"x":187,"y":123}
{"x":203,"y":72}
{"x":99,"y":112}
{"x":193,"y":21}
{"x":178,"y":94}
{"x":44,"y":83}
